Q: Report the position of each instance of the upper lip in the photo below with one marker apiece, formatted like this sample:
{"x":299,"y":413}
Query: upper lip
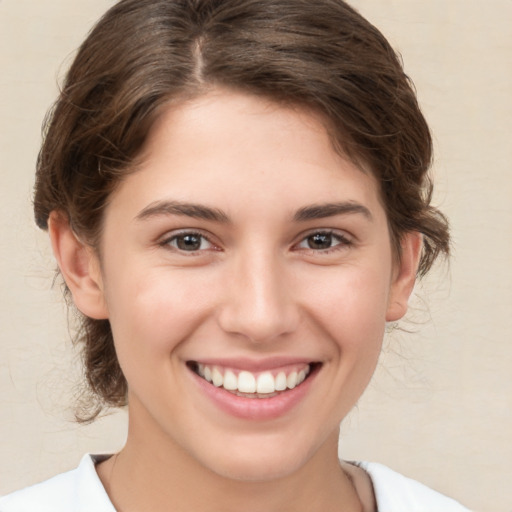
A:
{"x":254,"y":365}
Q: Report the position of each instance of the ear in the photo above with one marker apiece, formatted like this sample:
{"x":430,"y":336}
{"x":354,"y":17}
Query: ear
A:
{"x":79,"y":266}
{"x":404,"y":276}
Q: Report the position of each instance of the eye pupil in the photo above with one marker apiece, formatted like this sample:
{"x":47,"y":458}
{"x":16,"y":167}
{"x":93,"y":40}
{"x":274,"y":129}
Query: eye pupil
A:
{"x":189,"y":242}
{"x":320,"y":241}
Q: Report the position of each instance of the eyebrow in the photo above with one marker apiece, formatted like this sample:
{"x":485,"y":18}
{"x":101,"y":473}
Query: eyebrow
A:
{"x":322,"y":211}
{"x":199,"y":211}
{"x":196,"y":211}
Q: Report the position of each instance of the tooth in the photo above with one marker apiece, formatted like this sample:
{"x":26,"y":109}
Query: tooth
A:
{"x":217,"y":377}
{"x":291,"y":381}
{"x":230,"y":381}
{"x":246,"y":382}
{"x":280,"y":384}
{"x":265,"y":383}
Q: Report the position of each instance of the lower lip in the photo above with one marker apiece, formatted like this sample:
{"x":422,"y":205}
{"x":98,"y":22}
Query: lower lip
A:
{"x":255,"y":408}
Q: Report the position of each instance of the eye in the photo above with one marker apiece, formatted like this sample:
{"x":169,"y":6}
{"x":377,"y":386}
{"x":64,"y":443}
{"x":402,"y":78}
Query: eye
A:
{"x":323,"y":241}
{"x":188,"y":242}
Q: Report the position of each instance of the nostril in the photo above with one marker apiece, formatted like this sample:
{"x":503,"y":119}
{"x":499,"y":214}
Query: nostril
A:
{"x":258,"y":326}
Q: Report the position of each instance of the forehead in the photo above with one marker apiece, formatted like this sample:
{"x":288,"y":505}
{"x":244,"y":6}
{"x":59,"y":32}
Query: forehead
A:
{"x":242,"y":151}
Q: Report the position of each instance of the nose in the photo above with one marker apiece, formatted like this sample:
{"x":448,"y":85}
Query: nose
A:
{"x":259,"y":301}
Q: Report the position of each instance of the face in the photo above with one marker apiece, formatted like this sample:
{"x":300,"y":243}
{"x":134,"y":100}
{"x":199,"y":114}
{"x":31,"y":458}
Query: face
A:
{"x":247,"y":273}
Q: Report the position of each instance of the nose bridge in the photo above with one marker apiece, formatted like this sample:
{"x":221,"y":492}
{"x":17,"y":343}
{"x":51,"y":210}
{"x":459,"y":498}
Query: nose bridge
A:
{"x":259,"y":304}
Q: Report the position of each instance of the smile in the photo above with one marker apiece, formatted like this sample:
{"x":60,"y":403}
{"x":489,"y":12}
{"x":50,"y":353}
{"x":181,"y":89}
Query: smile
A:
{"x":266,"y":384}
{"x":262,"y":385}
{"x":254,"y":390}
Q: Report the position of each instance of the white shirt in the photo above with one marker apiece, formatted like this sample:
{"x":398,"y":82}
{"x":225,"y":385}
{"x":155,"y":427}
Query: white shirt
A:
{"x":81,"y":490}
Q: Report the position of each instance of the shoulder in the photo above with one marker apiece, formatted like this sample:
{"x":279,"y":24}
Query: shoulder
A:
{"x":78,"y":490}
{"x":397,"y":493}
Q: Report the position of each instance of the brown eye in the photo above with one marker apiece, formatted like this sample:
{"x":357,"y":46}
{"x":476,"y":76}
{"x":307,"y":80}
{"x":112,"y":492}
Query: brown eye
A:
{"x":189,"y":242}
{"x":324,"y":241}
{"x":320,"y":241}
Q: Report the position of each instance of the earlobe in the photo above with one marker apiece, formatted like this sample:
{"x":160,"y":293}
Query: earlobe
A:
{"x":79,"y":266}
{"x":405,"y":276}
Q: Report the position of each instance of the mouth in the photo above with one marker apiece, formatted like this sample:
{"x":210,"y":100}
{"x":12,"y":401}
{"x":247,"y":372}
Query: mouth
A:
{"x":255,"y":385}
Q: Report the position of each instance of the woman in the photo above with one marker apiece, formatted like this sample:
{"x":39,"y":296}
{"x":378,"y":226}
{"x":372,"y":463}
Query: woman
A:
{"x":236,"y":193}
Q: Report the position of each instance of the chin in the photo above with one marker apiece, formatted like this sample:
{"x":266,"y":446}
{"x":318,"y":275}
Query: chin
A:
{"x":262,"y":463}
{"x":261,"y":470}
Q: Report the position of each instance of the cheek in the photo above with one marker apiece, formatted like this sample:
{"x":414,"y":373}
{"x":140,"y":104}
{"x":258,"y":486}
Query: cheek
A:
{"x":348,"y":311}
{"x":149,"y":320}
{"x":153,"y":312}
{"x":352,"y":304}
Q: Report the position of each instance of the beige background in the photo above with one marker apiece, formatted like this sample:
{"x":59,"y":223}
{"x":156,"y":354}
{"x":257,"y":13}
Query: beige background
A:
{"x":440,"y":406}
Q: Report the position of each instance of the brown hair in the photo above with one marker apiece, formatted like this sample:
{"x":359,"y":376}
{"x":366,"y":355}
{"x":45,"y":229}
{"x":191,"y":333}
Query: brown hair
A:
{"x":144,"y":53}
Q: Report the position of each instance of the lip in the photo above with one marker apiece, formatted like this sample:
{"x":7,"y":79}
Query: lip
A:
{"x":254,"y":365}
{"x":255,"y":409}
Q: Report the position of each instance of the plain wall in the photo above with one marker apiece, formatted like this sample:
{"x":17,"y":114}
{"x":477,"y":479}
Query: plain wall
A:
{"x":440,"y":406}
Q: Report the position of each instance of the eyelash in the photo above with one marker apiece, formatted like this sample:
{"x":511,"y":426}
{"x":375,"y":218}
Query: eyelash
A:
{"x":177,"y":236}
{"x":342,"y":240}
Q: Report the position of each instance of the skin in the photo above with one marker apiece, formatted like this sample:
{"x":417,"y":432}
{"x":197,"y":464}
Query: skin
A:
{"x":253,"y":288}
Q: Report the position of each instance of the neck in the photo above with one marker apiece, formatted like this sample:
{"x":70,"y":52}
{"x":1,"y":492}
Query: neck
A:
{"x":158,"y":475}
